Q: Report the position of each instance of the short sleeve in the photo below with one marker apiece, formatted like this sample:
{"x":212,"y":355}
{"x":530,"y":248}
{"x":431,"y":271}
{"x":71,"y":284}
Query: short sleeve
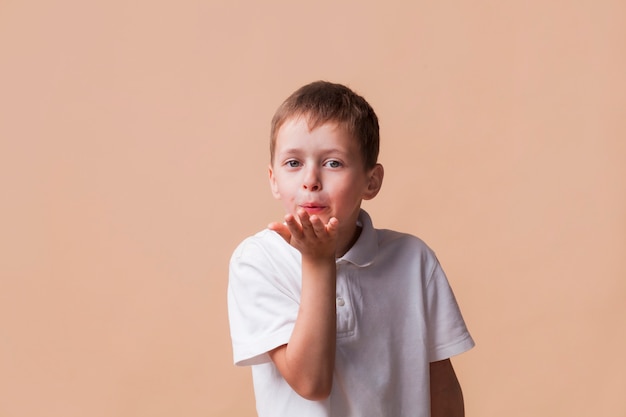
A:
{"x":262,"y":303}
{"x":447,"y":333}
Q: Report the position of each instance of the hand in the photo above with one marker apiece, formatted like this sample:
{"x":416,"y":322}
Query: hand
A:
{"x":309,"y":234}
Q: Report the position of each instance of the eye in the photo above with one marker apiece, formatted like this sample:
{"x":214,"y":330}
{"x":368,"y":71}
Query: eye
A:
{"x":333,"y":164}
{"x":292,"y":163}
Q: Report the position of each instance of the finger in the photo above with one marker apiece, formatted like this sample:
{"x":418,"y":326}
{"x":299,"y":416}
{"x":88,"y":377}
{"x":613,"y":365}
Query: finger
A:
{"x":281,"y":229}
{"x":333,"y":226}
{"x":294,"y":227}
{"x":319,"y":228}
{"x":305,"y":220}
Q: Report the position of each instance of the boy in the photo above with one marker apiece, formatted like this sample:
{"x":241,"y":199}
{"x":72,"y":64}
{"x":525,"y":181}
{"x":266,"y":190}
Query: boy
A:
{"x":338,"y":318}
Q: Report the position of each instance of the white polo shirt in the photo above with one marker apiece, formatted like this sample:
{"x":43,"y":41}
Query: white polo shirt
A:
{"x":396,"y":313}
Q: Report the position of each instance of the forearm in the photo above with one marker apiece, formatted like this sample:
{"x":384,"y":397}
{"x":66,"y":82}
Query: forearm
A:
{"x":307,"y":361}
{"x":446,"y":397}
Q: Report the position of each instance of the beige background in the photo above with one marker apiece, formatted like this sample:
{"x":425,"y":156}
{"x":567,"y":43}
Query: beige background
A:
{"x":133,"y":155}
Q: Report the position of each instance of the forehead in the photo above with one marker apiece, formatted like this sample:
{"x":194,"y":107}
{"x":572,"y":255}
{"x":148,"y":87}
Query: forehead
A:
{"x":300,"y":131}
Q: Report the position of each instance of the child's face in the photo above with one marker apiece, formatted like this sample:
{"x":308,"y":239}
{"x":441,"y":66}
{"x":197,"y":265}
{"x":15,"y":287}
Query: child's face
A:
{"x":322,"y":171}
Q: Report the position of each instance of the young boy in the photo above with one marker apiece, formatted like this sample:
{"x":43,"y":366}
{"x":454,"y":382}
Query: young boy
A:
{"x":338,"y":318}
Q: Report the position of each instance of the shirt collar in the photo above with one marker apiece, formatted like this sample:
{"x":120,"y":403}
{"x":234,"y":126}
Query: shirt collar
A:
{"x":364,"y":250}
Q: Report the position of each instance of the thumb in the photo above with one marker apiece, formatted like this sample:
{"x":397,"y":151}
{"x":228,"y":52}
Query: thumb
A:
{"x":281,"y":229}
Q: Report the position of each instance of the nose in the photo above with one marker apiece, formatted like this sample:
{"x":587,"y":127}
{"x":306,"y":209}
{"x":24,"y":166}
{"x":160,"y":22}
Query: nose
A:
{"x":311,"y":181}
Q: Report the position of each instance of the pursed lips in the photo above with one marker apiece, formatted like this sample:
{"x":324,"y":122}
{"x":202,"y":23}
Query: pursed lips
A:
{"x":312,"y":207}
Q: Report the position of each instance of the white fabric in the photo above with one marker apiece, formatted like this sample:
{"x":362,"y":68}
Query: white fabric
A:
{"x":395,"y":314}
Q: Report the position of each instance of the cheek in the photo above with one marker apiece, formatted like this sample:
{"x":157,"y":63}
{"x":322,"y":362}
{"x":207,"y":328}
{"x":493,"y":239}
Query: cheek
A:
{"x":349,"y":187}
{"x":348,"y":196}
{"x":286,"y":192}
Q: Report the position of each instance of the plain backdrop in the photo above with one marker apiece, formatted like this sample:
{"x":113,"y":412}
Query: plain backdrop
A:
{"x":133,"y":159}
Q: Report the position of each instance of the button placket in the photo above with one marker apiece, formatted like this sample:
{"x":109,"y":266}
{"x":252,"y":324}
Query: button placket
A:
{"x":345,"y":313}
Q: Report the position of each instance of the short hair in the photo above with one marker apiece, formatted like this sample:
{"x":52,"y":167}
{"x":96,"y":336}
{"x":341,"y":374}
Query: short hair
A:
{"x":322,"y":102}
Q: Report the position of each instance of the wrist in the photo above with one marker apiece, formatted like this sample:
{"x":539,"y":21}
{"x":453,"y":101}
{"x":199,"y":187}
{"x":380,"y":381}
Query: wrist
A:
{"x":319,"y":261}
{"x":321,"y":273}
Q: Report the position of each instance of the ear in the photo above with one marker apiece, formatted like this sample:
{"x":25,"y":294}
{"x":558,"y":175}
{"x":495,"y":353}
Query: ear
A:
{"x":273,"y":185}
{"x":375,"y":182}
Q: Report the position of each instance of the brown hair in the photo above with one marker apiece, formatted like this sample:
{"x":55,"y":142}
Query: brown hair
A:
{"x":322,"y":102}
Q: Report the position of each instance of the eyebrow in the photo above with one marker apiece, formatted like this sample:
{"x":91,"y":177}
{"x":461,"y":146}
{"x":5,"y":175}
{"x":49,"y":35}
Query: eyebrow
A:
{"x":297,"y":151}
{"x":289,"y":151}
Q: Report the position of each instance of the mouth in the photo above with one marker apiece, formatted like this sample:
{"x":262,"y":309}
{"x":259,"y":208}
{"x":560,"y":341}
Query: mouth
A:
{"x":313,"y":208}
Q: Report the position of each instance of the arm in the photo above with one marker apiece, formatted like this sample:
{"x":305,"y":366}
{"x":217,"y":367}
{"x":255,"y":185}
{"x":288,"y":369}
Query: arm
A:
{"x":307,"y":362}
{"x":446,"y":397}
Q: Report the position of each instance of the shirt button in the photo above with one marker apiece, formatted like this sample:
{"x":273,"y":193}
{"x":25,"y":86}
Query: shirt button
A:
{"x":340,"y":301}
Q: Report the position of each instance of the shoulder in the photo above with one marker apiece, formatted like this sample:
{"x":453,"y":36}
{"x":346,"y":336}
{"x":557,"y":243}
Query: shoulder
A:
{"x":391,"y":249}
{"x":265,"y":242}
{"x":264,"y":257}
{"x":391,"y":239}
{"x":404,"y":251}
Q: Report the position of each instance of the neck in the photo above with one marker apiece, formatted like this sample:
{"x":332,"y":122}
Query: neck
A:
{"x":345,"y":247}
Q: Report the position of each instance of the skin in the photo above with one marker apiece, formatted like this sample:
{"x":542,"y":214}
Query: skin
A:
{"x":446,"y":397}
{"x":321,"y":172}
{"x":320,"y":178}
